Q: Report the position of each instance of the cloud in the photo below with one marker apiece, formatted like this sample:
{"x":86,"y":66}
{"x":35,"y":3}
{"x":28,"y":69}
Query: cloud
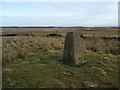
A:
{"x":60,"y":13}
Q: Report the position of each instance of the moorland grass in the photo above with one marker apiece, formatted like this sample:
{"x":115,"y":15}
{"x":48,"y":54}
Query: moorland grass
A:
{"x":26,"y":46}
{"x":46,"y":70}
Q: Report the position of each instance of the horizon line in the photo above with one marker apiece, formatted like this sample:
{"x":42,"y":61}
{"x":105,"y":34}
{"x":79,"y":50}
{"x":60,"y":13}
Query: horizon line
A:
{"x":55,"y":26}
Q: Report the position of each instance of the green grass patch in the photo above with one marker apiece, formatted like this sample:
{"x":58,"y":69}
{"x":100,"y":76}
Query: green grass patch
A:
{"x":46,"y":70}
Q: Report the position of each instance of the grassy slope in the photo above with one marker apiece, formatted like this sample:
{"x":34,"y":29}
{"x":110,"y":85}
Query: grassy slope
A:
{"x":46,"y":70}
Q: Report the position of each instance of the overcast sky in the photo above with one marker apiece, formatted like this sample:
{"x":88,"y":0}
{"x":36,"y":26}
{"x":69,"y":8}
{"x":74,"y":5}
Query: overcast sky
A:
{"x":59,"y":13}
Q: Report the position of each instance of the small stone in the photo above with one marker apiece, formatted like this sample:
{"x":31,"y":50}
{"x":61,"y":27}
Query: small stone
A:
{"x":89,"y":84}
{"x":102,"y":63}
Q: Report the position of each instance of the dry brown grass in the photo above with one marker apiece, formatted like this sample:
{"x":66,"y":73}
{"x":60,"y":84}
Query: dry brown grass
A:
{"x":102,"y":46}
{"x":20,"y":47}
{"x":24,"y":46}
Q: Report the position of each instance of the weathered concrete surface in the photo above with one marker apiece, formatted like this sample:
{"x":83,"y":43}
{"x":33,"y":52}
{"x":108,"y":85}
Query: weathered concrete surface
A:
{"x":73,"y":51}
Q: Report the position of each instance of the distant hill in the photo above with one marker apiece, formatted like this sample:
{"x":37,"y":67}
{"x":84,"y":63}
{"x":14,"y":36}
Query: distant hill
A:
{"x":55,"y":27}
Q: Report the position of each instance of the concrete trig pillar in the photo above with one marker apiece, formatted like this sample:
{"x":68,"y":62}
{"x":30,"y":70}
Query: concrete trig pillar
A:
{"x":73,"y":51}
